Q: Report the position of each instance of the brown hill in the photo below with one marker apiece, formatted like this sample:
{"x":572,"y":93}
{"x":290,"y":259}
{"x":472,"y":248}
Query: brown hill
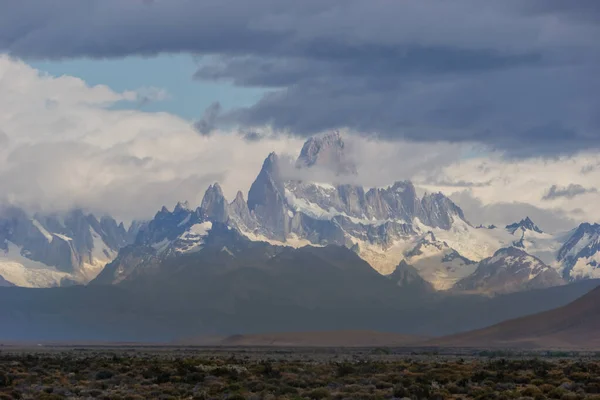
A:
{"x":354,"y":338}
{"x":574,"y":326}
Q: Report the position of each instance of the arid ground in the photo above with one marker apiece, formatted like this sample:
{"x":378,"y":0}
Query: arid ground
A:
{"x":294,"y":373}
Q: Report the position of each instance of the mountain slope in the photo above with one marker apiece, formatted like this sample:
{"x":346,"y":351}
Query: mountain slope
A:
{"x":438,"y":263}
{"x":217,"y":301}
{"x":46,"y":250}
{"x":379,"y":223}
{"x":509,"y":270}
{"x":575,"y":325}
{"x":407,"y":277}
{"x":4,"y":282}
{"x":580,"y":254}
{"x":383,"y":225}
{"x":322,"y":339}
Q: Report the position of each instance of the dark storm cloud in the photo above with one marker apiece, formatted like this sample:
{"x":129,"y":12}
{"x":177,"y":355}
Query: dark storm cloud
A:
{"x":569,"y":192}
{"x":515,"y":75}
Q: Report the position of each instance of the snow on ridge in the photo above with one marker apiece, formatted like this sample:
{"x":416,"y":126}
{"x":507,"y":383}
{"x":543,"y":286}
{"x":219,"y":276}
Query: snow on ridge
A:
{"x":586,"y":267}
{"x":42,"y":230}
{"x":193,"y":237}
{"x":101,"y":253}
{"x":63,"y":237}
{"x":313,"y":210}
{"x":200,"y":229}
{"x":326,"y":186}
{"x":21,"y":271}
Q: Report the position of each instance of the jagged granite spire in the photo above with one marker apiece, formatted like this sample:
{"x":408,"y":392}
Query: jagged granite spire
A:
{"x":239,"y":211}
{"x":214,"y":205}
{"x":439,"y":211}
{"x":326,"y":151}
{"x":266,"y":198}
{"x":182,"y":206}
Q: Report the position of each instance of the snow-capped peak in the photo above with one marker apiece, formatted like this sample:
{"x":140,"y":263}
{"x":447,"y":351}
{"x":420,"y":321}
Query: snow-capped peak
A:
{"x":525,"y":224}
{"x":580,"y":254}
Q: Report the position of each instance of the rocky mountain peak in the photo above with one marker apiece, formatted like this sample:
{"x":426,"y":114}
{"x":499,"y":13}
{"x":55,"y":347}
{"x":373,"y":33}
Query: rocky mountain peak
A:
{"x":403,"y":186}
{"x":510,"y":269}
{"x":510,"y":251}
{"x":214,"y":204}
{"x":579,"y":254}
{"x":182,"y":206}
{"x":327,"y":151}
{"x":406,"y":276}
{"x":53,"y":248}
{"x":266,"y":198}
{"x":439,"y":211}
{"x":587,"y":228}
{"x":268,"y":185}
{"x":525,"y":224}
{"x":271,"y":163}
{"x":240,"y":214}
{"x":239,"y":198}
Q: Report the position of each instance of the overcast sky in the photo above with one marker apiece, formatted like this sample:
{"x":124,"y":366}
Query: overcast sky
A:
{"x":122,"y":106}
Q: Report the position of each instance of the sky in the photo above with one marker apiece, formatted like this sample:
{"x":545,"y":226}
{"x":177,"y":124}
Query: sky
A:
{"x":120,"y":107}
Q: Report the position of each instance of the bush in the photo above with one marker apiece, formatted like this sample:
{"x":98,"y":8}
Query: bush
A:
{"x":104,"y":375}
{"x":5,"y":380}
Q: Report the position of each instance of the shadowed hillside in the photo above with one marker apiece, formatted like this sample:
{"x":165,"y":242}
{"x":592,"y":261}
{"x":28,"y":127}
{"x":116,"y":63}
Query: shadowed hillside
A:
{"x":576,"y":325}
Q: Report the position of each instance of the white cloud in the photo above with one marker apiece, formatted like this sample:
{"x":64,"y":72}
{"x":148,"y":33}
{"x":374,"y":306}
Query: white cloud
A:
{"x":494,"y":180}
{"x":63,"y":146}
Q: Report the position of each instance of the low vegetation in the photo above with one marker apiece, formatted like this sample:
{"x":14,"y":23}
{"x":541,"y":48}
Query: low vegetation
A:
{"x":292,"y":374}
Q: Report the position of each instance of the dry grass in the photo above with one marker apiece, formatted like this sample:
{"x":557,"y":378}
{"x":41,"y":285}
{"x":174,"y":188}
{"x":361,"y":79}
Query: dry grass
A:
{"x":291,"y":374}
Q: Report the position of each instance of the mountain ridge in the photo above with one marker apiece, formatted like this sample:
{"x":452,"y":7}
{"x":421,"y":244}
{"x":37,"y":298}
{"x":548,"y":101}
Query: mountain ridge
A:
{"x":54,"y":249}
{"x":383,"y":225}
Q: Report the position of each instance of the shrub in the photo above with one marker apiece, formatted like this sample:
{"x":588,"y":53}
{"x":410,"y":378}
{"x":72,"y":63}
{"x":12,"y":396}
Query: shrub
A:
{"x":104,"y":375}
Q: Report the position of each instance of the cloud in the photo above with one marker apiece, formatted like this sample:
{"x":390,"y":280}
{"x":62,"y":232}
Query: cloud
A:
{"x":151,"y":94}
{"x":569,"y":192}
{"x":508,"y":187}
{"x":504,"y":213}
{"x":4,"y":140}
{"x":64,"y":145}
{"x":378,"y":164}
{"x":516,"y":76}
{"x":207,"y":123}
{"x":81,"y":152}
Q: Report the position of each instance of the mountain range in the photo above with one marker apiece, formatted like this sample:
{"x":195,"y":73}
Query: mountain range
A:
{"x":384,"y":226}
{"x":45,"y":250}
{"x":297,"y":255}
